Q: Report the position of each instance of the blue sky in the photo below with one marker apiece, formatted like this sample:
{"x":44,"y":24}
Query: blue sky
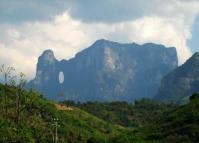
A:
{"x":28,"y":27}
{"x":194,"y":41}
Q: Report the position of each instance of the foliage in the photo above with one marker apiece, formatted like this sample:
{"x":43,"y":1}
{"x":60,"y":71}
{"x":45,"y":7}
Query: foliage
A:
{"x":179,"y":126}
{"x":125,"y":114}
{"x":151,"y":121}
{"x":36,"y":122}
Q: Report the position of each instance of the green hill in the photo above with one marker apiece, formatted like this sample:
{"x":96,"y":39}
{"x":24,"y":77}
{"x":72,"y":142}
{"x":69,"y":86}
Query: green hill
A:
{"x":152,"y":121}
{"x":126,"y":114}
{"x":27,"y":117}
{"x":179,"y":126}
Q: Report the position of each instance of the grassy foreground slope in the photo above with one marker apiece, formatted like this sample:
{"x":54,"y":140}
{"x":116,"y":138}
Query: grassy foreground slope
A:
{"x":27,"y":117}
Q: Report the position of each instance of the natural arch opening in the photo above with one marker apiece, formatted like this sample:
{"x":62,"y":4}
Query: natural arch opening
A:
{"x":61,"y":77}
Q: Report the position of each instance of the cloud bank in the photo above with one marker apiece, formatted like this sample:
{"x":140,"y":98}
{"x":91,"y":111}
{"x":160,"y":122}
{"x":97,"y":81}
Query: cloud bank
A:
{"x":70,"y":30}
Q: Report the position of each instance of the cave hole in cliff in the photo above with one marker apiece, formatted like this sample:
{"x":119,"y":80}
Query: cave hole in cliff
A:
{"x":61,"y":77}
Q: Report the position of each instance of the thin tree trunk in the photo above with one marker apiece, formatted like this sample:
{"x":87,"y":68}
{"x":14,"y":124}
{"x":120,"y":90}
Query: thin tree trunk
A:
{"x":5,"y":92}
{"x":18,"y":108}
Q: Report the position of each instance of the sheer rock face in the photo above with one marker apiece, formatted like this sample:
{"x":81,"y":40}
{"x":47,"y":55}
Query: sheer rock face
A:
{"x":106,"y":71}
{"x":180,"y":83}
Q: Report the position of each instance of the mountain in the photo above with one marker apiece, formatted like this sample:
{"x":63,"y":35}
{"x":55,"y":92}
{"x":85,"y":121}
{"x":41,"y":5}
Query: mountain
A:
{"x":106,"y":71}
{"x":182,"y":82}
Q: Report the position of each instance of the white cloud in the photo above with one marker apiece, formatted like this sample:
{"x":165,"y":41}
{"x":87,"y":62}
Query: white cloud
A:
{"x":127,"y":10}
{"x":20,"y":45}
{"x":170,"y":32}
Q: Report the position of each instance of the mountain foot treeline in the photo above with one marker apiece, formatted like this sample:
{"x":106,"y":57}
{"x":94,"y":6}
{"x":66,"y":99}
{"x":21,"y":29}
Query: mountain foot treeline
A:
{"x":31,"y":118}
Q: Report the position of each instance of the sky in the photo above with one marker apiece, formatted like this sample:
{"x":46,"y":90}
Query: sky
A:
{"x":28,"y":27}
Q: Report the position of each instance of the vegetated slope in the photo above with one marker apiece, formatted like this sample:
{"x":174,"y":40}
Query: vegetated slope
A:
{"x":35,"y":121}
{"x":179,"y":126}
{"x":126,"y":114}
{"x":152,"y":121}
{"x":181,"y":83}
{"x":105,"y":71}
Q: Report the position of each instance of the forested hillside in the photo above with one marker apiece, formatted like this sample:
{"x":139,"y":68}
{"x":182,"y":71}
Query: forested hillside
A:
{"x":27,"y":117}
{"x":151,"y":121}
{"x":179,"y":126}
{"x":135,"y":114}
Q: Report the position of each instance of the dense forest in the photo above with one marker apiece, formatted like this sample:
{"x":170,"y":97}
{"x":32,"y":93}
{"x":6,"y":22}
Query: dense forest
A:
{"x":135,"y":114}
{"x":151,"y":121}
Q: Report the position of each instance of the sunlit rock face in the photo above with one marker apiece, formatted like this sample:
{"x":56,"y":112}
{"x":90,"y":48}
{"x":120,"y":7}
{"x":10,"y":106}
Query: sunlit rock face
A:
{"x":106,"y":71}
{"x":110,"y":59}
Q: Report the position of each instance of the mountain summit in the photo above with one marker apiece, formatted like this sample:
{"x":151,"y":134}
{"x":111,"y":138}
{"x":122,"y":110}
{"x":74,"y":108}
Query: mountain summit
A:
{"x":106,"y":71}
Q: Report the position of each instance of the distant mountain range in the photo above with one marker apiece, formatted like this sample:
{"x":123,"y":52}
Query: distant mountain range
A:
{"x":180,"y":83}
{"x":106,"y":71}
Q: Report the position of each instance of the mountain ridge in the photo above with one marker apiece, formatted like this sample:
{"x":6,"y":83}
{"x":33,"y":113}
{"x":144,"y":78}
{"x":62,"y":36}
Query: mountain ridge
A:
{"x":106,"y":71}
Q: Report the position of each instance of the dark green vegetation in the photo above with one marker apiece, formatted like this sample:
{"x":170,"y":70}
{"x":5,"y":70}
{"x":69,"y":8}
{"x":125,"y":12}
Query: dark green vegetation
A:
{"x":179,"y":126}
{"x":27,"y":117}
{"x":152,"y":121}
{"x":129,"y":115}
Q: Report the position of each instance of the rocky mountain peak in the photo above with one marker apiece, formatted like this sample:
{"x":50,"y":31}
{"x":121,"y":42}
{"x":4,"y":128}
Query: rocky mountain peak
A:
{"x":196,"y":55}
{"x":46,"y":65}
{"x":47,"y":56}
{"x":195,"y":58}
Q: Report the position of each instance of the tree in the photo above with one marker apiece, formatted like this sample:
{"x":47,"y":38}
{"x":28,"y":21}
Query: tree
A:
{"x":194,"y":96}
{"x":7,"y":76}
{"x":21,"y":84}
